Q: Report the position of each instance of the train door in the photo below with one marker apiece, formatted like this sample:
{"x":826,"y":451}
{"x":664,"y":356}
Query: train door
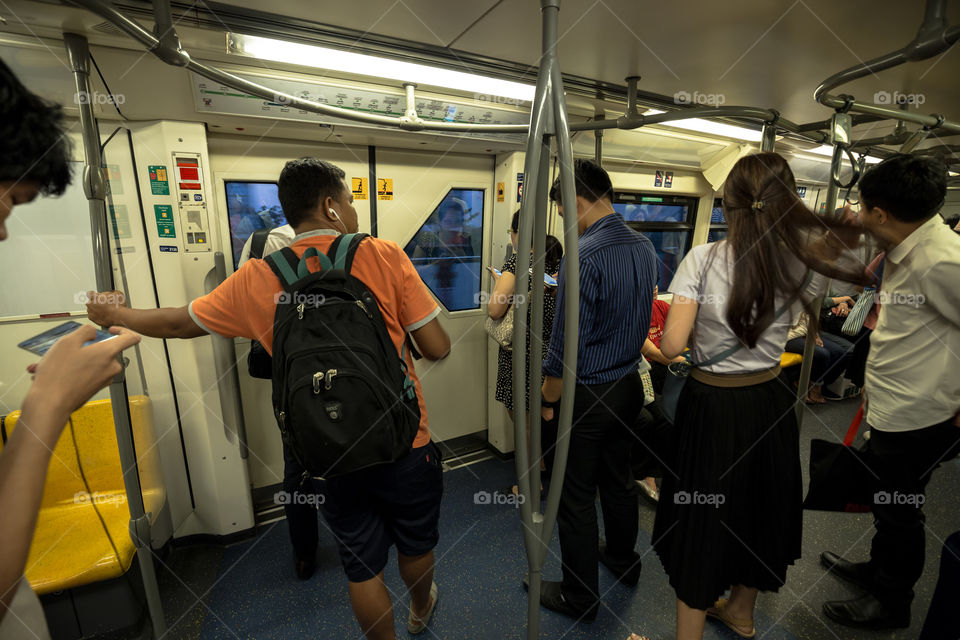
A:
{"x":439,"y":207}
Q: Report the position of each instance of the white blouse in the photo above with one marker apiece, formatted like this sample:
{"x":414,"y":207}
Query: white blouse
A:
{"x":706,"y":275}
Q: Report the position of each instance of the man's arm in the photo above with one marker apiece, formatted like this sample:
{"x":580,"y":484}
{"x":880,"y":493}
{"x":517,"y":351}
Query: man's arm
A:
{"x":168,"y":322}
{"x":64,"y":379}
{"x":432,"y":340}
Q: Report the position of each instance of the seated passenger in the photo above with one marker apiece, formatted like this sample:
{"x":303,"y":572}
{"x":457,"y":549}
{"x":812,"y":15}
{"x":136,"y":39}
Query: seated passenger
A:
{"x":830,"y":357}
{"x":369,"y":510}
{"x":651,"y":347}
{"x":34,"y":157}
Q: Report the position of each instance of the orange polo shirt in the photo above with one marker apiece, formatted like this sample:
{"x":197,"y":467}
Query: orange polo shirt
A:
{"x":244,"y":304}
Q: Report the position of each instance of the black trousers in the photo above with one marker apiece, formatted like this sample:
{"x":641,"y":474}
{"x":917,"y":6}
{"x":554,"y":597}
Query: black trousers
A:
{"x":943,"y":620}
{"x":904,"y":462}
{"x":300,"y":507}
{"x":599,"y":458}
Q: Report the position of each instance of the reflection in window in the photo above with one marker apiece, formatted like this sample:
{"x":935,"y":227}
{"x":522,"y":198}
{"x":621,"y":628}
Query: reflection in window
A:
{"x":652,"y":212}
{"x":718,"y":222}
{"x":251,"y":206}
{"x":447,"y":249}
{"x":670,"y":246}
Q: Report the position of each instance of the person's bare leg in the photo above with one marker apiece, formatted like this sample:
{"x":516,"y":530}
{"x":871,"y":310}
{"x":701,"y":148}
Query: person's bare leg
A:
{"x":372,"y":608}
{"x":741,"y":603}
{"x":417,"y":574}
{"x":689,"y":622}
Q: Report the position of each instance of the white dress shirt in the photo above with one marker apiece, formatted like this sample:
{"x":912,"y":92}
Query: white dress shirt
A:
{"x":911,"y":378}
{"x":278,"y":238}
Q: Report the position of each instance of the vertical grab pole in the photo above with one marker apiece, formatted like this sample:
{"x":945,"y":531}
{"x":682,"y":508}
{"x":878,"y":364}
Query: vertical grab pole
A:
{"x":840,"y":126}
{"x":571,"y":294}
{"x":95,"y":189}
{"x":768,"y":136}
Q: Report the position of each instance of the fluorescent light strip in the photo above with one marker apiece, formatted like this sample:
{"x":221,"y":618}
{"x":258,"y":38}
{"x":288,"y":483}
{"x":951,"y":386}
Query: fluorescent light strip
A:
{"x":358,"y":63}
{"x":709,"y":126}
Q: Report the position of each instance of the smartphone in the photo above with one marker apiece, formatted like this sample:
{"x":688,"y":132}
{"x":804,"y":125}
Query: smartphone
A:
{"x":41,"y":343}
{"x":548,"y":279}
{"x":496,"y":271}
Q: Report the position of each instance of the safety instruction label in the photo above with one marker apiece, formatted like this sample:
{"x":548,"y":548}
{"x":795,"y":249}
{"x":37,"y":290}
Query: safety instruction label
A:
{"x":158,"y":180}
{"x":384,"y":188}
{"x":668,"y":179}
{"x":114,"y":181}
{"x":358,"y":186}
{"x":164,"y":216}
{"x":501,"y":187}
{"x":658,"y":178}
{"x":519,"y":186}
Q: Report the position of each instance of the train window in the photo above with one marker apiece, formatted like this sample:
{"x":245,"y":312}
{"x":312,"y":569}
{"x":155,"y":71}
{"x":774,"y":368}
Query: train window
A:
{"x":666,"y":220}
{"x":447,"y":249}
{"x":718,"y":222}
{"x":251,"y":206}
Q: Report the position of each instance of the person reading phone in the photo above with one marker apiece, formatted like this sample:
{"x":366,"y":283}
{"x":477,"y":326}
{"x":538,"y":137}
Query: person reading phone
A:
{"x":34,"y":157}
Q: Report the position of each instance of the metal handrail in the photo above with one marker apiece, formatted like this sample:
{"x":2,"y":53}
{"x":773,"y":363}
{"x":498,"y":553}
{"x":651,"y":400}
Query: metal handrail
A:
{"x":933,"y":37}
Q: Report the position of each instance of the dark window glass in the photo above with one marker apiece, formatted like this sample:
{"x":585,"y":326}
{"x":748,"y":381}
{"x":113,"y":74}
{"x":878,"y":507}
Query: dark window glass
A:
{"x":651,"y":212}
{"x":670,"y":246}
{"x":447,"y":249}
{"x":251,"y":206}
{"x":718,"y":222}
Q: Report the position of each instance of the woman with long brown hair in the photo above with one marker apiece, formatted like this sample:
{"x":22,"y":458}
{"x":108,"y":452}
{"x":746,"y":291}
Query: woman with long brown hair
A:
{"x":730,"y":514}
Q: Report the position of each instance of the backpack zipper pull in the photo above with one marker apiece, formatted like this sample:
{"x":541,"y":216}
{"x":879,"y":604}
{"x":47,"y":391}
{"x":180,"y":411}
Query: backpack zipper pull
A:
{"x":317,"y":377}
{"x":363,"y":307}
{"x":330,"y":376}
{"x":283,"y":422}
{"x":300,"y":308}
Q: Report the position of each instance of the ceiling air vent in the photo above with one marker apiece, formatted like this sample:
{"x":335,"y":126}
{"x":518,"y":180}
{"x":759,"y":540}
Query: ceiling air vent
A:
{"x":108,"y":27}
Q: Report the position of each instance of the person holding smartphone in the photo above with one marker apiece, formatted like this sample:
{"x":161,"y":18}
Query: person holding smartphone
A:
{"x":34,"y":157}
{"x":502,"y":298}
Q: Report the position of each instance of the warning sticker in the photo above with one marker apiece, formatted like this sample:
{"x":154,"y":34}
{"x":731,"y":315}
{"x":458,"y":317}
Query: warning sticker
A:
{"x":384,"y":188}
{"x":158,"y":180}
{"x":668,"y":179}
{"x":358,"y":186}
{"x":658,"y":179}
{"x":500,"y":189}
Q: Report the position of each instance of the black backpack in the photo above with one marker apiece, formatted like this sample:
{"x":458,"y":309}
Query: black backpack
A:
{"x":259,"y":363}
{"x":343,"y":398}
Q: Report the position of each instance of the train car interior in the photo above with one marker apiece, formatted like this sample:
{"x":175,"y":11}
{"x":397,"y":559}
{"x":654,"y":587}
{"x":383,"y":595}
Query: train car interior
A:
{"x":163,"y":511}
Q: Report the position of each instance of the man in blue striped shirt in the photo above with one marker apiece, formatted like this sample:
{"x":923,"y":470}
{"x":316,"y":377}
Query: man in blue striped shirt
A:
{"x":618,"y":272}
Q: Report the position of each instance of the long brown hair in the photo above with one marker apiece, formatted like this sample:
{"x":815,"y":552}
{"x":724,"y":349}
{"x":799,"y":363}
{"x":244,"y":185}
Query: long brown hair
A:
{"x":766,"y":220}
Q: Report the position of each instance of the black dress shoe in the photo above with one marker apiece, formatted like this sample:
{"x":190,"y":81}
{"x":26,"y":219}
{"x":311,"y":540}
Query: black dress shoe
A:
{"x":629,"y":576}
{"x":857,"y":573}
{"x":551,"y":597}
{"x":304,"y":568}
{"x":867,"y":612}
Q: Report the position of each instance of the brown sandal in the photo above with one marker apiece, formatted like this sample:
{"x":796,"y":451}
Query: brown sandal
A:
{"x":737,"y":625}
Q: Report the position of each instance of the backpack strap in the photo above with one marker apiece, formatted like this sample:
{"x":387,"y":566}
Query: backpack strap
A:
{"x":343,"y":249}
{"x":259,"y":242}
{"x":312,"y":252}
{"x":285,"y":264}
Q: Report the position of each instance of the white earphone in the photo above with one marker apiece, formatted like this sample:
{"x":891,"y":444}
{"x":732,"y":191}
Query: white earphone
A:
{"x":334,"y":213}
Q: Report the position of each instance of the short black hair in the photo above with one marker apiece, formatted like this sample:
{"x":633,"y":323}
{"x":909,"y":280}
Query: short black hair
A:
{"x":910,"y":188}
{"x":593,"y":182}
{"x":515,"y":222}
{"x":306,"y":182}
{"x":33,"y":144}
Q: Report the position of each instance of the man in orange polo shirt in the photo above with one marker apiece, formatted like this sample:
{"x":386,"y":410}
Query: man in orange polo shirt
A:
{"x":369,"y":510}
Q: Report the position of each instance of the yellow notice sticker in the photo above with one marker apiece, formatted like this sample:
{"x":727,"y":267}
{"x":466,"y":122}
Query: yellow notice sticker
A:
{"x":358,"y":187}
{"x":384,"y":188}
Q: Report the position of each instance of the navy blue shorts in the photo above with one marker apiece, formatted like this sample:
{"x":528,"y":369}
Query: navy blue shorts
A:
{"x":398,"y":503}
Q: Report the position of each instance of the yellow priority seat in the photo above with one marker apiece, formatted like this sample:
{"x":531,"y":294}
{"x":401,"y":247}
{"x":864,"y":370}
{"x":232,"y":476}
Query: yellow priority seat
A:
{"x":71,"y":547}
{"x":790,"y":359}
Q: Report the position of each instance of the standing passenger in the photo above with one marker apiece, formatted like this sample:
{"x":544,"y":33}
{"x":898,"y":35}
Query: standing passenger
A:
{"x":912,"y":387}
{"x":618,"y":271}
{"x":730,"y":514}
{"x":370,"y":510}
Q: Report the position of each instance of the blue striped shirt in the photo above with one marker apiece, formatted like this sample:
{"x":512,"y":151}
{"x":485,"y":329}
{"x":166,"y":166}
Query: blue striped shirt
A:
{"x":618,"y":271}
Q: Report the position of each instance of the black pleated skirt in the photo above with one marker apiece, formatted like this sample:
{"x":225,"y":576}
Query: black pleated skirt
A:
{"x":731,"y":511}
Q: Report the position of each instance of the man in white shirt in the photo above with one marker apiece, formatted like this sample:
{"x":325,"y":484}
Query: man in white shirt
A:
{"x":277,"y":238}
{"x":913,"y":392}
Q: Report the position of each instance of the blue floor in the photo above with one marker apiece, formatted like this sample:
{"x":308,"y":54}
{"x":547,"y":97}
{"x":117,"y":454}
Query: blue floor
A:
{"x":253,"y":593}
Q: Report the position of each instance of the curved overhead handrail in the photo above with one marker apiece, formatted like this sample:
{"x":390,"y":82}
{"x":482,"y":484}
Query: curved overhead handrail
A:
{"x":933,"y":37}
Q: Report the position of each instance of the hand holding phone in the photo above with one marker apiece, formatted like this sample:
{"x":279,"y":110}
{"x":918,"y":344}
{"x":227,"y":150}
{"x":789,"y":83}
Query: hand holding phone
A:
{"x":43,"y":342}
